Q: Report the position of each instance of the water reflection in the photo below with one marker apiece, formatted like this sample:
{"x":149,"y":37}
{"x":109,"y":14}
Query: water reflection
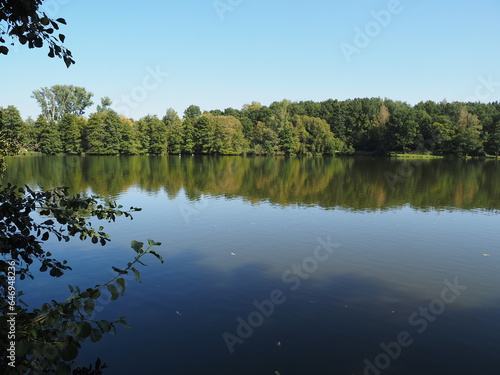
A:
{"x":348,"y":183}
{"x":403,"y":228}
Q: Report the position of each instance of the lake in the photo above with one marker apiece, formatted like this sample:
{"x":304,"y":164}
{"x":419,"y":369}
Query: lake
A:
{"x":289,"y":265}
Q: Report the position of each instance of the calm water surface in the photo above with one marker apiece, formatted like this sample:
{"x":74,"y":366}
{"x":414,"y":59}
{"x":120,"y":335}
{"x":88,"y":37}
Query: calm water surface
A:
{"x":356,"y":253}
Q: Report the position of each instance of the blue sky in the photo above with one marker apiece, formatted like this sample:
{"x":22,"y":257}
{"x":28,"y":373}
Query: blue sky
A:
{"x":152,"y":55}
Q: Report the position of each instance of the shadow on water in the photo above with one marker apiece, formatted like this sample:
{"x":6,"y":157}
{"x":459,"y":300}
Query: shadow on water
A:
{"x":323,"y":328}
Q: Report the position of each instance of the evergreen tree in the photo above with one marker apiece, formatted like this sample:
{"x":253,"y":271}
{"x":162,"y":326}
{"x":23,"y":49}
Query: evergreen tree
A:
{"x":129,"y":143}
{"x":493,"y":143}
{"x":70,"y":128}
{"x":153,"y":135}
{"x":12,"y":126}
{"x":205,"y":140}
{"x":175,"y":131}
{"x":189,"y":136}
{"x":49,"y":139}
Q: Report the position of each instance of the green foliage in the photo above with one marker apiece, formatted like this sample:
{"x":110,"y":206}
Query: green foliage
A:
{"x":467,"y":140}
{"x":493,"y":143}
{"x":189,"y":136}
{"x":49,"y":137}
{"x":153,"y":135}
{"x":70,"y":129}
{"x":59,"y":100}
{"x":129,"y":144}
{"x":24,"y":22}
{"x":48,"y":338}
{"x":175,"y":132}
{"x":192,"y":112}
{"x":105,"y":104}
{"x":12,"y":126}
{"x":103,"y":134}
{"x":315,"y":136}
{"x":265,"y":141}
{"x":230,"y":139}
{"x":205,"y":137}
{"x":368,"y":125}
{"x":21,"y":236}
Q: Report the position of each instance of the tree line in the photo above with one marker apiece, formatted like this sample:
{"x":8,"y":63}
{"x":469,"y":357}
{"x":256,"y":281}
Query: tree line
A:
{"x":368,"y":125}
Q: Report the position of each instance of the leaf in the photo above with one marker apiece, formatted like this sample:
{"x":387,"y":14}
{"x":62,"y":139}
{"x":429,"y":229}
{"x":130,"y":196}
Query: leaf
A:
{"x":95,"y":335}
{"x":124,"y":323}
{"x":4,"y":50}
{"x":114,"y":292}
{"x":89,"y":306}
{"x":153,"y":243}
{"x":137,"y":274}
{"x":69,"y":352}
{"x":62,"y":37}
{"x":95,"y":294}
{"x":45,"y":236}
{"x":56,"y":272}
{"x":83,"y":330}
{"x":61,"y":20}
{"x":121,"y":284}
{"x":157,"y":255}
{"x":104,"y":325}
{"x":121,"y":272}
{"x":137,"y":246}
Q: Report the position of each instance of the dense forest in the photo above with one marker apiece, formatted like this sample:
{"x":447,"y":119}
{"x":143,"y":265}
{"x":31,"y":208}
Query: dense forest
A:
{"x":369,"y":125}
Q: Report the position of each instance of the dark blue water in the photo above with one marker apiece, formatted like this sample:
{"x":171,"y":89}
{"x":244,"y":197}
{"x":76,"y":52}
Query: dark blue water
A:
{"x":302,"y":267}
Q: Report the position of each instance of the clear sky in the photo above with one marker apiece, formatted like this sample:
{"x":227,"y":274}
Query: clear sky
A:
{"x":151,"y":55}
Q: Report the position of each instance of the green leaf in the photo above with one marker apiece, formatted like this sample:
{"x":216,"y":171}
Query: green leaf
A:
{"x":49,"y":321}
{"x":69,"y":352}
{"x":104,"y":325}
{"x":89,"y":306}
{"x":114,"y":292}
{"x":157,"y":255}
{"x":95,"y":294}
{"x":137,"y":246}
{"x":83,"y":330}
{"x":121,"y":284}
{"x":137,"y":274}
{"x":95,"y":335}
{"x":45,"y":308}
{"x":124,"y":323}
